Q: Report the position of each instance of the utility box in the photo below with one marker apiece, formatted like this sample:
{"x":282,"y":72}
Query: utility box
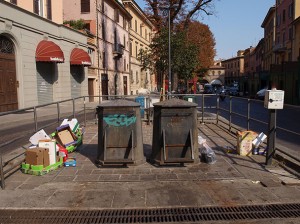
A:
{"x":274,"y":99}
{"x":175,"y":132}
{"x":119,"y":133}
{"x":141,"y":101}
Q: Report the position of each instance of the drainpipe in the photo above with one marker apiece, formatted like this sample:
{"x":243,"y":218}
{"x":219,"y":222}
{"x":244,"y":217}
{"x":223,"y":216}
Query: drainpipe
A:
{"x":98,"y":51}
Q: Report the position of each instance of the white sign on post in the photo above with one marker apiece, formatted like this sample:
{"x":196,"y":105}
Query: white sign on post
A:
{"x":274,"y":99}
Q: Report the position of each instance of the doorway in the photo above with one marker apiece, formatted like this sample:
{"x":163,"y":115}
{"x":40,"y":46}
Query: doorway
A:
{"x":8,"y":76}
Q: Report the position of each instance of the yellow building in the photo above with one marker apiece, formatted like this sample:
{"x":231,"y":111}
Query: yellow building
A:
{"x":140,"y":34}
{"x":296,"y":42}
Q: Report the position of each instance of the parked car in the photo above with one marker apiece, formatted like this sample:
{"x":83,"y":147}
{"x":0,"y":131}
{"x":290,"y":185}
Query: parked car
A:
{"x":261,"y":94}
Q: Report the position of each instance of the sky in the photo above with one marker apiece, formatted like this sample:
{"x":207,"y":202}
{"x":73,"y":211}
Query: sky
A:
{"x":236,"y":24}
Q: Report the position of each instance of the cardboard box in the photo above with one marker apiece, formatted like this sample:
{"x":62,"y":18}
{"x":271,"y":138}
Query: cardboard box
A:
{"x":46,"y":159}
{"x":37,"y":156}
{"x":65,"y":136}
{"x":51,"y":146}
{"x":244,"y":142}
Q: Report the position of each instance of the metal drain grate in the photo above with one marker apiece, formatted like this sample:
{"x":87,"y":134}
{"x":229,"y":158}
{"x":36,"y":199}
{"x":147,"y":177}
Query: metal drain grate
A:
{"x":159,"y":215}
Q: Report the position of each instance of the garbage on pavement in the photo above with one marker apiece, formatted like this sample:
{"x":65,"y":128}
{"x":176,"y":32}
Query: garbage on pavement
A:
{"x":206,"y":152}
{"x":48,"y":152}
{"x":257,"y":149}
{"x":244,"y":142}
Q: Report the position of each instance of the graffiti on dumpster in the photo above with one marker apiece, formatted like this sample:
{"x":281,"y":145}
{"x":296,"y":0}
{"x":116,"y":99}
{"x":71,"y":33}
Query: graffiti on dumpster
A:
{"x":120,"y":120}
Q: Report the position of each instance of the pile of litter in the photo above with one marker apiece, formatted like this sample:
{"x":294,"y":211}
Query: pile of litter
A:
{"x":48,"y":152}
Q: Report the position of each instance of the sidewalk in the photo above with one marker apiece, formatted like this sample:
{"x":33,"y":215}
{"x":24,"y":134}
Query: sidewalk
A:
{"x":233,"y":180}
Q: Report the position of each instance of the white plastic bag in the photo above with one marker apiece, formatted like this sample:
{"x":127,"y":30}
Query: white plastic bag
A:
{"x":201,"y":140}
{"x":207,"y":154}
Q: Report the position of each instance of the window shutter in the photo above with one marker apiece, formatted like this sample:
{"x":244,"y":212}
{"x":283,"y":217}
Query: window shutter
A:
{"x":36,"y":6}
{"x":49,"y":10}
{"x":85,"y":6}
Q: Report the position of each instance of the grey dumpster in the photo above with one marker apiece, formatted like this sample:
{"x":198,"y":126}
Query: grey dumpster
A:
{"x":119,"y":133}
{"x":175,"y":132}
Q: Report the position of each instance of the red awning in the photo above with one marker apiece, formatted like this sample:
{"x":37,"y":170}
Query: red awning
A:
{"x":47,"y":51}
{"x":80,"y":57}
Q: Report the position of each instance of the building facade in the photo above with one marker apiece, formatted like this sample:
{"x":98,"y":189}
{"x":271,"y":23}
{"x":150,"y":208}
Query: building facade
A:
{"x":140,"y":32}
{"x":296,"y":40}
{"x":216,"y":73}
{"x":38,"y":60}
{"x":234,"y":68}
{"x":269,"y":39}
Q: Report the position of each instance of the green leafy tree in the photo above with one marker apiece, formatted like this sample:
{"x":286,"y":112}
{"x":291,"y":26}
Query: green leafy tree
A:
{"x":184,"y":59}
{"x":192,"y":53}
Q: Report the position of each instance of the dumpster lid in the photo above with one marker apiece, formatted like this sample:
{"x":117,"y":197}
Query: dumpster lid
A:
{"x":175,"y":103}
{"x":119,"y":103}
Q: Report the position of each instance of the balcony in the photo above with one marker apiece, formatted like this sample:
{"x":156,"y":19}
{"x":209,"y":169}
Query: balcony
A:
{"x":118,"y":50}
{"x":279,"y":48}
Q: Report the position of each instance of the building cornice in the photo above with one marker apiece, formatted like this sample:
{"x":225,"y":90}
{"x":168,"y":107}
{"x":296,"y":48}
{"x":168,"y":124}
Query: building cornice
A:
{"x":269,"y":15}
{"x":133,"y":5}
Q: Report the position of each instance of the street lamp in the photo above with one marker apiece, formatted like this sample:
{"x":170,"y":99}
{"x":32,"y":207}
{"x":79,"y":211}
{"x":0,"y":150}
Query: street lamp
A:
{"x":169,"y":42}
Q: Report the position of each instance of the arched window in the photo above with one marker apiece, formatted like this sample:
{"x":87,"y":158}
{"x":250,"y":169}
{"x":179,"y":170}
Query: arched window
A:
{"x":6,"y":45}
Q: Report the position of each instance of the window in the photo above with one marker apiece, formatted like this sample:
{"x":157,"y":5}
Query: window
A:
{"x":146,"y":34}
{"x":49,"y":10}
{"x":38,"y":7}
{"x":103,"y":31}
{"x":141,"y":30}
{"x":290,"y":33}
{"x":116,"y":15}
{"x":135,"y":26}
{"x":124,"y":64}
{"x":102,"y":5}
{"x":130,"y":49}
{"x":124,"y":23}
{"x":137,"y":76}
{"x":91,"y":53}
{"x":136,"y":50}
{"x":131,"y":76}
{"x":103,"y":59}
{"x":115,"y":38}
{"x":291,"y":10}
{"x":85,"y":6}
{"x":283,"y":16}
{"x":124,"y":41}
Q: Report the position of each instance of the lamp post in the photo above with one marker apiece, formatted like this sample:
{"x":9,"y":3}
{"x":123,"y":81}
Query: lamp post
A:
{"x":170,"y":71}
{"x":169,"y":44}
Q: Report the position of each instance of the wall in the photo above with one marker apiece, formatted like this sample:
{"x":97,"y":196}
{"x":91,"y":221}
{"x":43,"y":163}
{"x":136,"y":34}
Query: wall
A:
{"x":26,"y":30}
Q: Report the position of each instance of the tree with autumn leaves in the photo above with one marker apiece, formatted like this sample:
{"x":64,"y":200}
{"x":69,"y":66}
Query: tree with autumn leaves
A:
{"x":192,"y":43}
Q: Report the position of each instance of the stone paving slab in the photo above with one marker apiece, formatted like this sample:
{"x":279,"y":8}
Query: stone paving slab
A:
{"x":232,"y":180}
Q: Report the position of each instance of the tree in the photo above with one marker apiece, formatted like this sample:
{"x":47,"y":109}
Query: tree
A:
{"x":184,"y":59}
{"x":189,"y":54}
{"x":180,"y":10}
{"x":200,"y":35}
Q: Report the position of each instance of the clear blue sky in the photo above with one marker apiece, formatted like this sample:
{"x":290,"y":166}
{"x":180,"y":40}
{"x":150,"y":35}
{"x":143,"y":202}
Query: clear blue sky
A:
{"x":236,"y":24}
